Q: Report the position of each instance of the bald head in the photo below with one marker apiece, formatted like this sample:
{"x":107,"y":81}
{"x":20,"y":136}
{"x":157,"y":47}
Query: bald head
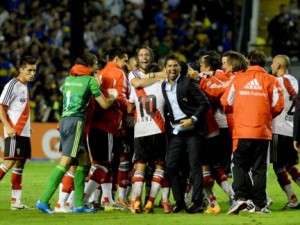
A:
{"x":280,"y":65}
{"x":283,"y":60}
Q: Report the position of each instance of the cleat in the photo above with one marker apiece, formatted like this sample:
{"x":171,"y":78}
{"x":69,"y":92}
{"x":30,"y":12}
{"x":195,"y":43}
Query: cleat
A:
{"x":291,"y":205}
{"x":250,"y":206}
{"x":132,"y":206}
{"x":95,"y":205}
{"x":114,"y":206}
{"x":123,"y":203}
{"x":19,"y":206}
{"x":135,"y":206}
{"x":83,"y":209}
{"x":237,"y":206}
{"x":62,"y":209}
{"x":149,"y":207}
{"x":118,"y":206}
{"x":167,"y":206}
{"x":45,"y":208}
{"x":214,"y":209}
{"x":257,"y":209}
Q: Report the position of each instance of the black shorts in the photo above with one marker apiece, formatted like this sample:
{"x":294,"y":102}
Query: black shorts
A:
{"x":282,"y":150}
{"x":121,"y":146}
{"x":150,"y":149}
{"x":217,"y":150}
{"x":101,"y":145}
{"x":17,"y":147}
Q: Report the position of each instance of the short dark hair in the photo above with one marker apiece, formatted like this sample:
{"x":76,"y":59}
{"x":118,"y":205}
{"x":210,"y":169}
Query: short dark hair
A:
{"x":116,"y":52}
{"x":213,"y":61}
{"x":257,"y":58}
{"x":171,"y":57}
{"x":237,"y":61}
{"x":194,"y":66}
{"x":27,"y":60}
{"x":87,"y":59}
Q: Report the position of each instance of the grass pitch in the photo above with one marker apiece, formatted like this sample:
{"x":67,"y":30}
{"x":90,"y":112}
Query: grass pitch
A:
{"x":36,"y":175}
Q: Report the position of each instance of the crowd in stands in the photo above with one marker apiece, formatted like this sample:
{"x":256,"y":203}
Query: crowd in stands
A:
{"x":42,"y":28}
{"x":284,"y":32}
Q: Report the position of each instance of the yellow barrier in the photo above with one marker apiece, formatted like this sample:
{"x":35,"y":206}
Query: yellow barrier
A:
{"x":44,"y":141}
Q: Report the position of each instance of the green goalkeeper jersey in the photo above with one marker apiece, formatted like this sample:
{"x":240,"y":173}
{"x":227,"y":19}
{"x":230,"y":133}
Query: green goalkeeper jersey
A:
{"x":77,"y":92}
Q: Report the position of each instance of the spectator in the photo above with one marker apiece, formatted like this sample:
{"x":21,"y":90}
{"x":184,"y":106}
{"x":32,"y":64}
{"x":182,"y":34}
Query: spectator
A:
{"x":136,"y":22}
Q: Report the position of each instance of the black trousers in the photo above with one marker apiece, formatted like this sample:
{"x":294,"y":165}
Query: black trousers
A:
{"x":178,"y":145}
{"x":250,"y":156}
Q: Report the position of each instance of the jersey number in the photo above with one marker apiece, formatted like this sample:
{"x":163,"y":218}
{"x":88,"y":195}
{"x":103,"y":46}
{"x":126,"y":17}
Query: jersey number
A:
{"x":148,"y":104}
{"x":291,"y":111}
{"x":68,"y":95}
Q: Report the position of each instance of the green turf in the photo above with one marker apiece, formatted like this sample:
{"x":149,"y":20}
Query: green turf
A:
{"x":37,"y":173}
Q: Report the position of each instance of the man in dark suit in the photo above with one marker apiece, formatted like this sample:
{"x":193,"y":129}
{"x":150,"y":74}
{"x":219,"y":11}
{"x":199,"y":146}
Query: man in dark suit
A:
{"x":186,"y":106}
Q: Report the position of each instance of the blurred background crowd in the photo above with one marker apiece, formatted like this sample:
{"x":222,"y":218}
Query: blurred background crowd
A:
{"x":186,"y":28}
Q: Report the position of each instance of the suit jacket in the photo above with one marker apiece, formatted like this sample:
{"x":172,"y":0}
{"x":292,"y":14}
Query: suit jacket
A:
{"x":192,"y":101}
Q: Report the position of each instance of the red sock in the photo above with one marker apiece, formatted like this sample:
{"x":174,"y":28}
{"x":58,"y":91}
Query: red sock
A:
{"x":67,"y":183}
{"x":282,"y":178}
{"x":294,"y":172}
{"x":165,"y":183}
{"x":16,"y":179}
{"x":123,"y":174}
{"x":207,"y":179}
{"x":99,"y":175}
{"x":219,"y":174}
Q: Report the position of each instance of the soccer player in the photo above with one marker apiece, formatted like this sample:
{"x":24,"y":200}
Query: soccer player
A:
{"x":77,"y":91}
{"x":15,"y":116}
{"x":149,"y":130}
{"x":219,"y":154}
{"x":65,"y":202}
{"x":284,"y":156}
{"x":106,"y":125}
{"x":125,"y":165}
{"x":252,"y":129}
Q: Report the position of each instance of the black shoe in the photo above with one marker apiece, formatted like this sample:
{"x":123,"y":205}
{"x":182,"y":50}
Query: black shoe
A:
{"x":178,"y":208}
{"x":194,"y":209}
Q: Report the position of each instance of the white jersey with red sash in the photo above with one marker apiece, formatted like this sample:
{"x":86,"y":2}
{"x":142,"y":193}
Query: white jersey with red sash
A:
{"x":149,"y":105}
{"x":16,"y":98}
{"x":283,"y":124}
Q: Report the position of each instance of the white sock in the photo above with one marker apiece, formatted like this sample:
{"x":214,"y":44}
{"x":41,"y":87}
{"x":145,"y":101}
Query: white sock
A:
{"x":89,"y":189}
{"x":107,"y":193}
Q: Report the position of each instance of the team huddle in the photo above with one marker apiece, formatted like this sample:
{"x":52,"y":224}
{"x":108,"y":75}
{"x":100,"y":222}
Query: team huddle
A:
{"x":171,"y":128}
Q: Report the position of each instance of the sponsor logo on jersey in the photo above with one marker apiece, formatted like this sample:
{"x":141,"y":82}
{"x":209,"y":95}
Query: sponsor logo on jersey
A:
{"x":253,"y":84}
{"x":73,"y":84}
{"x":289,"y":118}
{"x":253,"y":93}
